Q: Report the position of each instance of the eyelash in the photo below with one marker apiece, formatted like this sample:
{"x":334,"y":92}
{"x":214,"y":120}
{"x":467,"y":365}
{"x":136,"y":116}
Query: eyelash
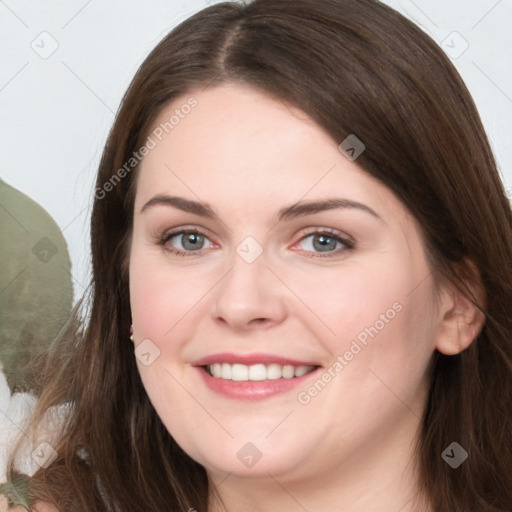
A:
{"x":348,"y":243}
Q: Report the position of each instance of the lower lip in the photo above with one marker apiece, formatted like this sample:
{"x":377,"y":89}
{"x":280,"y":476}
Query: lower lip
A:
{"x":251,"y":389}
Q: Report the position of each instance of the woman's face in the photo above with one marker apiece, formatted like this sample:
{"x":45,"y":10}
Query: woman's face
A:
{"x":296,"y":270}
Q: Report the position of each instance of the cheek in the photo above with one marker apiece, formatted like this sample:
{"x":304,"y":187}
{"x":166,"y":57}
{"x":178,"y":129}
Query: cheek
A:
{"x":148,"y":309}
{"x":355,"y":302}
{"x":165,"y":300}
{"x":380,"y":354}
{"x":162,"y":307}
{"x":395,"y":338}
{"x":377,"y":316}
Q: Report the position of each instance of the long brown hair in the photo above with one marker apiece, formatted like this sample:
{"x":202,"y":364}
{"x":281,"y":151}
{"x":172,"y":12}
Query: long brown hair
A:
{"x":354,"y":66}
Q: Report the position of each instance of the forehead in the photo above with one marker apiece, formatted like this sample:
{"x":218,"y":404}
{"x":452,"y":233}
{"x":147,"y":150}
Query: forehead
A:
{"x":242,"y":144}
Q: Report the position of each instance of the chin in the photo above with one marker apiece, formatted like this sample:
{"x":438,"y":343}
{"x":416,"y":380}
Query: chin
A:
{"x":249,"y":459}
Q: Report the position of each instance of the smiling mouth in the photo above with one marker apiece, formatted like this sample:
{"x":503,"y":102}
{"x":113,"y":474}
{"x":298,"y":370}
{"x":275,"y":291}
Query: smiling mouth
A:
{"x":257,"y":372}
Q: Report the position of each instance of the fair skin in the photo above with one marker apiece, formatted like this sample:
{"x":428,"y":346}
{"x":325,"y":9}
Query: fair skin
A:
{"x":247,"y":156}
{"x":348,"y":445}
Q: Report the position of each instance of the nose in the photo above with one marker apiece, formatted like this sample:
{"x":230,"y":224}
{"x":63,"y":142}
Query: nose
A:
{"x":249,"y":296}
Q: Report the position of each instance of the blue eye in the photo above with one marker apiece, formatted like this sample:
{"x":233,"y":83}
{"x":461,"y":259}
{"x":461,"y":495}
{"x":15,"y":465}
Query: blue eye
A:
{"x":190,"y":240}
{"x":326,"y":242}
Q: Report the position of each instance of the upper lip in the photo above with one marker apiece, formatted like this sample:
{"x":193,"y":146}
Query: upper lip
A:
{"x":250,"y":359}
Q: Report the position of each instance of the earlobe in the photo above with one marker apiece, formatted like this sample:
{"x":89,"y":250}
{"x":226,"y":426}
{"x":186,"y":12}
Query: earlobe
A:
{"x":461,"y":319}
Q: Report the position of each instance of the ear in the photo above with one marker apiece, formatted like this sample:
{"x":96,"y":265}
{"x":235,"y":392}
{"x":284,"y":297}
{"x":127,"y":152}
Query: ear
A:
{"x":461,"y":321}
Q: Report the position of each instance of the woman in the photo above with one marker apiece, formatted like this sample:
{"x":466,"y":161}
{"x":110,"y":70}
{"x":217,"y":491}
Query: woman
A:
{"x":299,"y":223}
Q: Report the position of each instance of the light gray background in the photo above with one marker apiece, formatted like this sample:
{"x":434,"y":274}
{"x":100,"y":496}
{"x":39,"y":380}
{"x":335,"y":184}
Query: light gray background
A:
{"x":56,"y":109}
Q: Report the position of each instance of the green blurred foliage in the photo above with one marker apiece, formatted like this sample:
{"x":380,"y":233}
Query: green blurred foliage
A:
{"x":36,"y":292}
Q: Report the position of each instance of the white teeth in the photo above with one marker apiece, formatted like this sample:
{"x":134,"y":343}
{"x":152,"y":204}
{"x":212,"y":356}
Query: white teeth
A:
{"x":239,"y":372}
{"x":216,"y":370}
{"x":274,"y":371}
{"x":301,"y":370}
{"x":288,"y":372}
{"x":256,"y":372}
{"x":226,"y":371}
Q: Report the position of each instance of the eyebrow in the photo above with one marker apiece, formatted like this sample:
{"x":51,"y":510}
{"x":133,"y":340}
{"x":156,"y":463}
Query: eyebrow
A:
{"x":298,"y":209}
